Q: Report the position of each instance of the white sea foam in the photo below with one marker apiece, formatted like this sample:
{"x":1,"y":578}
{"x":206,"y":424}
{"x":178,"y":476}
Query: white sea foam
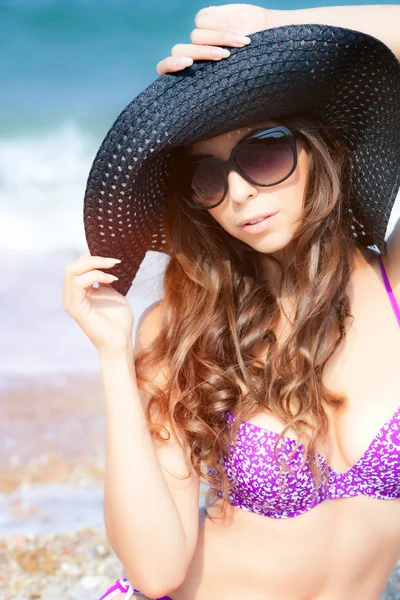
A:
{"x":42,"y":182}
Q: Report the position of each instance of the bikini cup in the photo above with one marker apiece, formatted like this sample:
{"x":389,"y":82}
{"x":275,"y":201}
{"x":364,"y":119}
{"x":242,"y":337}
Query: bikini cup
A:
{"x":256,"y":478}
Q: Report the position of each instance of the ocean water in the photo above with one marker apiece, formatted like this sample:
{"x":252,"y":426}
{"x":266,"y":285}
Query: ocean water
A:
{"x":50,"y":509}
{"x":54,"y":508}
{"x":68,"y":68}
{"x":71,"y":66}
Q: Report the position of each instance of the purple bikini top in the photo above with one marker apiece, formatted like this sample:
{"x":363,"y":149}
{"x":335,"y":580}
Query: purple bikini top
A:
{"x":258,"y":481}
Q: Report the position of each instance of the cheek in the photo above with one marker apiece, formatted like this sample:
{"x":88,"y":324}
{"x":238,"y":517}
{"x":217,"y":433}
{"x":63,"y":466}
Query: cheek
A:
{"x":219,"y":214}
{"x":292,"y":205}
{"x":295,"y":202}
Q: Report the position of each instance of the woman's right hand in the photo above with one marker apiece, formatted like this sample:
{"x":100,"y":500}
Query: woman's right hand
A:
{"x":217,"y":26}
{"x":103,"y":313}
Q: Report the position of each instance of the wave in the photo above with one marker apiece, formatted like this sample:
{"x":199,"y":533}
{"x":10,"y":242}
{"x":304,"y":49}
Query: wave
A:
{"x":42,"y":183}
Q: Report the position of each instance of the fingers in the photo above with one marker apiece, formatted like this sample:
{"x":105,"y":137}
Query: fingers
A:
{"x":80,"y":275}
{"x":199,"y":50}
{"x":86,"y":280}
{"x":86,"y":262}
{"x":208,"y":17}
{"x":172,"y":64}
{"x":218,"y":38}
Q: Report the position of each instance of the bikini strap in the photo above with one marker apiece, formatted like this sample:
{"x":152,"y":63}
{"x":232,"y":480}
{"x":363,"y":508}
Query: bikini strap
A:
{"x":389,"y":290}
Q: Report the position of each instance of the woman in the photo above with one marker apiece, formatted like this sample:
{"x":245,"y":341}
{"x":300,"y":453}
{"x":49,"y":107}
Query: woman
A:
{"x":279,"y":331}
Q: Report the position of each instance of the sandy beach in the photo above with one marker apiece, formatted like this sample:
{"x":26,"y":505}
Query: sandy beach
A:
{"x":71,"y":66}
{"x":52,"y":431}
{"x":53,"y":544}
{"x":68,"y":566}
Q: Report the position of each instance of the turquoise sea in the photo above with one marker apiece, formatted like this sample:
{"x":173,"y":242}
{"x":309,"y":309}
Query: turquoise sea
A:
{"x":67,"y":68}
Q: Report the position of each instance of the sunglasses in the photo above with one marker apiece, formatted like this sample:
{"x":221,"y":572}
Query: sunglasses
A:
{"x":265,"y":158}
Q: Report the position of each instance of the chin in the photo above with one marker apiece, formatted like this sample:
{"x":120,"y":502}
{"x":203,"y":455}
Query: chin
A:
{"x":271,"y":242}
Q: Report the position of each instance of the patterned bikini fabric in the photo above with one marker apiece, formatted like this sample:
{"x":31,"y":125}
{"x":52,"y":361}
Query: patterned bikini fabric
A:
{"x":262,"y":487}
{"x":123,"y":585}
{"x":259,"y":480}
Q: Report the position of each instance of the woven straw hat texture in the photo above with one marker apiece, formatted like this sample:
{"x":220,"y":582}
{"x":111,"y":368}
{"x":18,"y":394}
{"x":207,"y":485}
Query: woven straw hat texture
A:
{"x":346,"y":79}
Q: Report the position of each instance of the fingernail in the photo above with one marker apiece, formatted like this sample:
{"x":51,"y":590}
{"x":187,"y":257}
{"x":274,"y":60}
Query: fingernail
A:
{"x":112,"y":261}
{"x":114,"y":278}
{"x":241,"y":39}
{"x":183,"y":61}
{"x":220,"y":52}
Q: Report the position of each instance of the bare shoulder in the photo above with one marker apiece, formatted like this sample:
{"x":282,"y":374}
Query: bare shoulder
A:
{"x":391,"y":259}
{"x":149,"y":325}
{"x":147,"y":330}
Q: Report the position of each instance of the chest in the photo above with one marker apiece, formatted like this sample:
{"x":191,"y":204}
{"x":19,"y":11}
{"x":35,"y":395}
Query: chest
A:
{"x":365,"y":367}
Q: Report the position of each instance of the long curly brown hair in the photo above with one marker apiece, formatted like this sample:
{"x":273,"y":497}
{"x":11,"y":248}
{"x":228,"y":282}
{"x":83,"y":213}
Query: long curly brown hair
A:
{"x":218,"y":310}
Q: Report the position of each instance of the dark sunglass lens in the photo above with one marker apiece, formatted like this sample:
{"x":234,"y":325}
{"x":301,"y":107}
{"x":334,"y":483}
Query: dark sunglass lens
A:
{"x":267,"y":160}
{"x":206,"y":182}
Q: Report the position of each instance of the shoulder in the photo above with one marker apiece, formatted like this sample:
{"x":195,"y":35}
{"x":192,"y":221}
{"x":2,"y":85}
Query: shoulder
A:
{"x":147,"y":330}
{"x":391,"y":260}
{"x":149,"y":325}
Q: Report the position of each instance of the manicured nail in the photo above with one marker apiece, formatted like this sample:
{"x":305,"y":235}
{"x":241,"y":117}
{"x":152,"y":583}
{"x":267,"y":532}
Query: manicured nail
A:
{"x":112,"y":261}
{"x":220,"y":52}
{"x":183,"y":61}
{"x":241,"y":39}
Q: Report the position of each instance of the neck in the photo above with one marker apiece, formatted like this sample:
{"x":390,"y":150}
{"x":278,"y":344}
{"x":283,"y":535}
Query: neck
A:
{"x":361,"y":259}
{"x":272,"y":271}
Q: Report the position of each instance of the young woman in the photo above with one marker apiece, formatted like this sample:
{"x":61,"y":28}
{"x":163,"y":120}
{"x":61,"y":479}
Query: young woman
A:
{"x":272,"y":358}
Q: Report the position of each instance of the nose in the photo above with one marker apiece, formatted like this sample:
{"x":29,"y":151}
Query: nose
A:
{"x":239,"y":189}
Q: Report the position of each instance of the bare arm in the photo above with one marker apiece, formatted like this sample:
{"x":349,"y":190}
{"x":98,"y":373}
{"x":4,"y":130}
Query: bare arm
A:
{"x":151,"y":517}
{"x":382,"y":21}
{"x":215,"y":27}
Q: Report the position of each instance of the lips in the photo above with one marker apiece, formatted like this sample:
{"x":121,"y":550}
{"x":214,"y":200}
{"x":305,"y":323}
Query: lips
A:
{"x":256,"y":218}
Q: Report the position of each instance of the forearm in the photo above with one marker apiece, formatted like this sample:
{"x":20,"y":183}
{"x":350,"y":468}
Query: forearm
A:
{"x":142,"y":521}
{"x":382,"y":21}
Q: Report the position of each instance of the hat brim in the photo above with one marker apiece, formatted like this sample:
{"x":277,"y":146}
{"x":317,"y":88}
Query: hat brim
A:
{"x":346,"y":79}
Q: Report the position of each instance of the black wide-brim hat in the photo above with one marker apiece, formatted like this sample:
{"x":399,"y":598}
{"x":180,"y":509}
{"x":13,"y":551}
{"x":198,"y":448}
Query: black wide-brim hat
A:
{"x":344,"y":78}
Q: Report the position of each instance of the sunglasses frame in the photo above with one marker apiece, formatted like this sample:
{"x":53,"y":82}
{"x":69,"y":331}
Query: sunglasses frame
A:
{"x":230,"y":164}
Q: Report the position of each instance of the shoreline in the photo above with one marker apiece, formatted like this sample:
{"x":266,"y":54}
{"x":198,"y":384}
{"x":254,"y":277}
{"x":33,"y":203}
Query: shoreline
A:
{"x":53,"y":543}
{"x":58,"y":566}
{"x":52,"y":430}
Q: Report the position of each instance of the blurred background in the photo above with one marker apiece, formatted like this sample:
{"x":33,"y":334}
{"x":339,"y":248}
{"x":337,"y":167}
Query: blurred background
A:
{"x":67,"y":69}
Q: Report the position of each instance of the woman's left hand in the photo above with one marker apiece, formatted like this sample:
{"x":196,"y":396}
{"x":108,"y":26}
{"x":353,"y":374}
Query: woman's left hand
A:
{"x":215,"y":26}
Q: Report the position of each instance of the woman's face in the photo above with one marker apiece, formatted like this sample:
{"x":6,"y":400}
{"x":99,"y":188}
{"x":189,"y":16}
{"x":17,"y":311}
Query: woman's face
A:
{"x":245,"y":200}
